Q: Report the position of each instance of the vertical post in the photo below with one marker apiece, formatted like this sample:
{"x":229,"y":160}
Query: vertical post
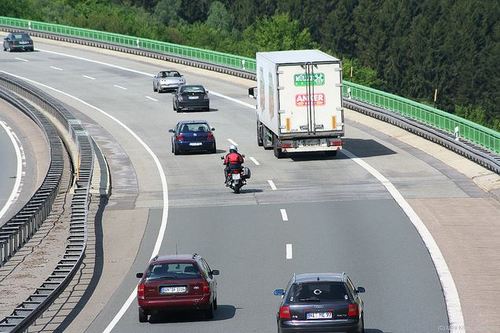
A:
{"x":457,"y":133}
{"x":351,"y":73}
{"x":435,"y":96}
{"x":242,"y":63}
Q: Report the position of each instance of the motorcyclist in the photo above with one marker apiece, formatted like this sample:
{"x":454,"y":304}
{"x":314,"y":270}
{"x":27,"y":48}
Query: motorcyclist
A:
{"x":232,"y":160}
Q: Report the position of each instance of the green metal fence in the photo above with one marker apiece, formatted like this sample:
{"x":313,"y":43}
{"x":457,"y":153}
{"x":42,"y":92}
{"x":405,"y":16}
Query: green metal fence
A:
{"x":430,"y":116}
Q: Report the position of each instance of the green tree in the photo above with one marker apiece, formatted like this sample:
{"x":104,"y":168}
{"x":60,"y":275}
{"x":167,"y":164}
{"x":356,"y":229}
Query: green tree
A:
{"x":278,"y":32}
{"x":167,"y":12}
{"x":218,"y":17}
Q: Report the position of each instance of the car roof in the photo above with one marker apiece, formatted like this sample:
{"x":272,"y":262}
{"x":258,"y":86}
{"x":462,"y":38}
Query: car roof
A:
{"x":192,"y":122}
{"x":175,"y":258}
{"x":311,"y":277}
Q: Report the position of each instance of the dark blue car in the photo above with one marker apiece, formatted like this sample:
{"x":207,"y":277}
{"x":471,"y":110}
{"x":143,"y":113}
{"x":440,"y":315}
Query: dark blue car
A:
{"x":193,"y":135}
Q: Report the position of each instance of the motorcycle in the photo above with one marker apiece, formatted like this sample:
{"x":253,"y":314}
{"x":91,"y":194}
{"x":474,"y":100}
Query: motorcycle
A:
{"x":236,"y":178}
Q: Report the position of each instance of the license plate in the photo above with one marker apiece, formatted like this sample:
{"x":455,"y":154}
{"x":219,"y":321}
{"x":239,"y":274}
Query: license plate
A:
{"x":236,"y":176}
{"x":319,"y":315}
{"x":23,"y":43}
{"x":195,"y":143}
{"x":172,"y":290}
{"x":193,"y":97}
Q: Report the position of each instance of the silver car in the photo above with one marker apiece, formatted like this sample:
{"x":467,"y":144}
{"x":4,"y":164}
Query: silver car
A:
{"x":167,"y":81}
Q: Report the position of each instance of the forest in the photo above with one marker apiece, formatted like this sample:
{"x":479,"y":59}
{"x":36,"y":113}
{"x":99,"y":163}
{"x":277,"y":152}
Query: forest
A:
{"x":409,"y":48}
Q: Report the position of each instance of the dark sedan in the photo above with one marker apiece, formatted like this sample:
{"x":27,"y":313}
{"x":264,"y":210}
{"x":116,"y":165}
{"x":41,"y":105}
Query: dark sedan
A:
{"x":18,"y":41}
{"x":193,"y":135}
{"x":320,"y":302}
{"x":191,"y":97}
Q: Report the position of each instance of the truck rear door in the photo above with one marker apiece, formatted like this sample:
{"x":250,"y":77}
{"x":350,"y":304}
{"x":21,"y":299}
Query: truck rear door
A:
{"x":310,"y":98}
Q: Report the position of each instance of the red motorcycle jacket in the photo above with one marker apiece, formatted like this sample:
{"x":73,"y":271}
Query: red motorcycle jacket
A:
{"x":233,"y":158}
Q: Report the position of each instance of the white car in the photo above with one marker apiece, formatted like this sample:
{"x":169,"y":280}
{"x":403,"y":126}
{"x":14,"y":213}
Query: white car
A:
{"x":167,"y":81}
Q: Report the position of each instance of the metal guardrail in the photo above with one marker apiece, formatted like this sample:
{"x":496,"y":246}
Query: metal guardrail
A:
{"x":481,"y":156}
{"x":24,"y":224}
{"x":28,"y":311}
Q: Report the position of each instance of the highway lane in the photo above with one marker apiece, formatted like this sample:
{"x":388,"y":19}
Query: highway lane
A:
{"x":251,"y":251}
{"x":23,"y":151}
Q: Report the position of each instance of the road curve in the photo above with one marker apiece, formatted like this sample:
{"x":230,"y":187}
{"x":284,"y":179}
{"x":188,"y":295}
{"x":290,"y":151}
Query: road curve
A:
{"x":23,"y":151}
{"x":338,"y":217}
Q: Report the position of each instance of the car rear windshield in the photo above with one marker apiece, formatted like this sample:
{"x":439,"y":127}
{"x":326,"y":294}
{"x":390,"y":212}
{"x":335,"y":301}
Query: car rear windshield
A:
{"x":190,"y":89}
{"x":173,"y":271}
{"x":195,"y":128}
{"x":317,"y":292}
{"x":21,"y":36}
{"x":170,"y":74}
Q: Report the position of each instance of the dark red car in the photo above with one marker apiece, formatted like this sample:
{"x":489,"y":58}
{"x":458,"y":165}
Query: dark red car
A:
{"x":177,"y":282}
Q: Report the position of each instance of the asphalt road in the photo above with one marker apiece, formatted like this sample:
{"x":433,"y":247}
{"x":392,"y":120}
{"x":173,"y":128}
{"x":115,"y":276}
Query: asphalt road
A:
{"x":340,"y":218}
{"x":8,"y":167}
{"x":32,"y":160}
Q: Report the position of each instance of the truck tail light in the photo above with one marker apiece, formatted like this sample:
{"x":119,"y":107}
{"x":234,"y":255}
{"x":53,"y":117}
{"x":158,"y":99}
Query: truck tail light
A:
{"x":285,"y":312}
{"x":353,"y":311}
{"x":286,"y":144}
{"x":140,"y":291}
{"x":335,"y":142}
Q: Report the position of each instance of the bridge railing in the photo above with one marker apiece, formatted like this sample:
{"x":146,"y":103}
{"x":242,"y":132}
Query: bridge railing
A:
{"x":431,"y":117}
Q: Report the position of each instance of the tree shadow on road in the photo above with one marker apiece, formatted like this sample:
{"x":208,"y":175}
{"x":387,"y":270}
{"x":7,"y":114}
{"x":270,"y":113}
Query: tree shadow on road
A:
{"x":223,"y":312}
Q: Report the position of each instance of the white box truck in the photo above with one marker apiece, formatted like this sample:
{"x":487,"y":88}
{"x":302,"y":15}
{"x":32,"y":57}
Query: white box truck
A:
{"x":299,"y":102}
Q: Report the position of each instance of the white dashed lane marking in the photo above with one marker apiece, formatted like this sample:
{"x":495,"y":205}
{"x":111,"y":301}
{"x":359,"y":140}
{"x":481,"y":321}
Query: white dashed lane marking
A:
{"x":271,"y":183}
{"x":254,"y":161}
{"x":152,"y":99}
{"x":119,"y":87}
{"x":232,"y":142}
{"x":21,"y":59}
{"x":284,"y":216}
{"x":89,"y":77}
{"x":289,"y":251}
{"x":56,"y":68}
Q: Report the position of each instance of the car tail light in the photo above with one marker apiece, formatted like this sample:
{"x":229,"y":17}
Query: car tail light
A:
{"x":210,"y":136}
{"x":180,"y":98}
{"x":205,"y":96}
{"x":140,"y":291}
{"x":205,"y":287}
{"x":353,"y":311}
{"x":179,"y":137}
{"x":285,"y":312}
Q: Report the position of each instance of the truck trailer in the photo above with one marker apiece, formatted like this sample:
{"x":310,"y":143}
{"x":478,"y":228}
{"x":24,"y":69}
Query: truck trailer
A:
{"x":299,"y":102}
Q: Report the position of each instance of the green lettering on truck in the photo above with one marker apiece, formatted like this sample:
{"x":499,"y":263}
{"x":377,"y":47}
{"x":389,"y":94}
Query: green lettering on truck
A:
{"x":303,"y":79}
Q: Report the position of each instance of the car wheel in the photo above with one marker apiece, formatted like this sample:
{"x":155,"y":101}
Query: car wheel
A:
{"x":143,"y":316}
{"x":214,"y":149}
{"x":154,"y":89}
{"x":173,"y":106}
{"x":215,"y":304}
{"x":176,"y":150}
{"x":209,"y":313}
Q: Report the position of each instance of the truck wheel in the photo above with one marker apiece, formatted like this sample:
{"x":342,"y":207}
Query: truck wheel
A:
{"x":266,"y":141}
{"x":259,"y":135}
{"x":277,"y":151}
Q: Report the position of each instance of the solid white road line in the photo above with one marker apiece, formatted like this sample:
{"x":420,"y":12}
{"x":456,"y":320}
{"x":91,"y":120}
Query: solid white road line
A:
{"x":151,"y":98}
{"x":254,"y":161}
{"x":289,"y":252}
{"x":21,"y":59}
{"x":19,"y":169}
{"x":232,"y":142}
{"x":232,"y":99}
{"x":119,"y":87}
{"x":56,"y":68}
{"x":450,"y":292}
{"x":163,"y":178}
{"x":284,"y":216}
{"x":271,"y":183}
{"x":88,"y":77}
